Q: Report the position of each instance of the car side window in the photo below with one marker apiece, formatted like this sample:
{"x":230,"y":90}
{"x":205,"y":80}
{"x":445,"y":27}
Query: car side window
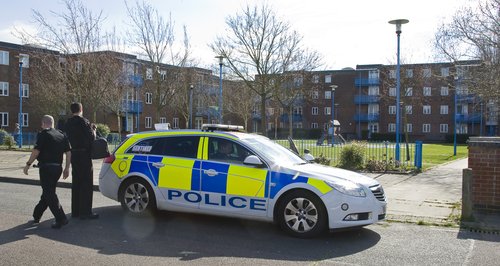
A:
{"x":224,"y":150}
{"x":183,"y":146}
{"x":143,"y":147}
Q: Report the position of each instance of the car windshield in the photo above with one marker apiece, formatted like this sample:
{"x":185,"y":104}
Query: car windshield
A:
{"x":273,"y":152}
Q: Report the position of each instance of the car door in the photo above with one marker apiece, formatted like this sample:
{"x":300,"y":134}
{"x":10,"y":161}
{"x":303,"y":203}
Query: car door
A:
{"x":230,"y":186}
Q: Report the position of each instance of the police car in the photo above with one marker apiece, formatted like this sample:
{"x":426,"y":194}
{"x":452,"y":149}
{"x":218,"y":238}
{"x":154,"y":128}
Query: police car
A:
{"x":221,"y":170}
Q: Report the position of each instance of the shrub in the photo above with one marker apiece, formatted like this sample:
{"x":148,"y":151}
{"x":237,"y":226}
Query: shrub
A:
{"x":9,"y":141}
{"x":352,"y":156}
{"x":114,"y":137}
{"x":321,"y":159}
{"x":3,"y":134}
{"x":102,"y":130}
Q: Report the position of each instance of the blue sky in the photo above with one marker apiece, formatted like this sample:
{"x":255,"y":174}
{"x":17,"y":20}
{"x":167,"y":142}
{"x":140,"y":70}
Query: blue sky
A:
{"x":346,"y":33}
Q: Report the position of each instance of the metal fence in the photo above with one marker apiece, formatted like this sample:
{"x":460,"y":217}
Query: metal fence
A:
{"x":381,"y":153}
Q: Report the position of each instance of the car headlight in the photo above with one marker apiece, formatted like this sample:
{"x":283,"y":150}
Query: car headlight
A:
{"x":347,"y":187}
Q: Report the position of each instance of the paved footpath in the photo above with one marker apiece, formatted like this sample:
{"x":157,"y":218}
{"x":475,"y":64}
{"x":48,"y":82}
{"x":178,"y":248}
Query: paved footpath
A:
{"x":430,"y":197}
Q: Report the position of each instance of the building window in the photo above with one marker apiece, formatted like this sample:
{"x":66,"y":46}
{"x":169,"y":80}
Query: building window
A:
{"x":25,"y":119}
{"x":391,"y":127}
{"x":409,"y":128}
{"x":4,"y":58}
{"x":315,"y":95}
{"x":149,"y":98}
{"x":298,"y":81}
{"x":373,"y":127}
{"x":392,"y":109}
{"x":198,"y":121}
{"x":328,"y":95}
{"x":148,"y":121}
{"x":427,"y":91}
{"x":149,"y":73}
{"x":26,"y":60}
{"x":163,"y":75}
{"x":163,"y":120}
{"x":328,"y":78}
{"x":315,"y":111}
{"x":427,"y":110}
{"x":328,"y":111}
{"x":297,"y":125}
{"x":176,"y":122}
{"x":444,"y":91}
{"x":409,"y":109}
{"x":426,"y":72}
{"x":444,"y":110}
{"x":392,"y":92}
{"x":269,"y":125}
{"x":314,"y":125}
{"x":443,"y":128}
{"x":409,"y":91}
{"x":392,"y":74}
{"x":373,"y":90}
{"x":297,"y":110}
{"x":25,"y":90}
{"x":445,"y":71}
{"x":78,"y":67}
{"x":4,"y":88}
{"x":270,"y":111}
{"x":316,"y":79}
{"x":4,"y":119}
{"x":426,"y":128}
{"x":409,"y":73}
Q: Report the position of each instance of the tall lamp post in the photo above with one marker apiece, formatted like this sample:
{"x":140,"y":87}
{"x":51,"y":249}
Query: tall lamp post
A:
{"x":20,"y":118}
{"x":398,"y":23}
{"x":221,"y":58}
{"x":191,"y":106}
{"x":333,"y":87}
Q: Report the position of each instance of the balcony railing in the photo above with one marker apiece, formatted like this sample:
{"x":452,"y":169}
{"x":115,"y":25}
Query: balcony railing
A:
{"x":295,"y":118}
{"x":366,"y":117}
{"x":468,"y":98}
{"x":468,"y":118}
{"x":367,"y":81}
{"x":132,"y":106}
{"x":366,"y":99}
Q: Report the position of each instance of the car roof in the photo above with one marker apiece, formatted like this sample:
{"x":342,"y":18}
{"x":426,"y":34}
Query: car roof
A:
{"x":193,"y":132}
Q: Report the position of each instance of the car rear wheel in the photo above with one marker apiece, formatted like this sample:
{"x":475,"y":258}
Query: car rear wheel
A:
{"x":302,"y":214}
{"x":137,"y":197}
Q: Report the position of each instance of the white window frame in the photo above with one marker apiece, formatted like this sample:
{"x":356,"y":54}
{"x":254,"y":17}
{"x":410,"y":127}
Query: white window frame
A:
{"x":392,"y":91}
{"x":392,"y":73}
{"x":426,"y":128}
{"x":409,"y":91}
{"x":4,"y":58}
{"x":426,"y":110}
{"x":373,"y":127}
{"x":4,"y":119}
{"x":328,"y":95}
{"x":25,"y":90}
{"x":148,"y":122}
{"x":328,"y":78}
{"x":409,"y":109}
{"x":149,"y":73}
{"x":409,"y":128}
{"x":4,"y":88}
{"x":328,"y":110}
{"x":427,"y":91}
{"x":409,"y":73}
{"x":163,"y":120}
{"x":373,"y":90}
{"x":314,"y":125}
{"x":315,"y":94}
{"x":444,"y":91}
{"x":392,"y":109}
{"x":315,"y":111}
{"x":426,"y":72}
{"x":148,"y":98}
{"x":443,"y":128}
{"x":163,"y":74}
{"x":175,"y":122}
{"x":315,"y":79}
{"x":297,"y":110}
{"x":443,"y":109}
{"x":25,"y":120}
{"x":445,"y":71}
{"x":391,"y":127}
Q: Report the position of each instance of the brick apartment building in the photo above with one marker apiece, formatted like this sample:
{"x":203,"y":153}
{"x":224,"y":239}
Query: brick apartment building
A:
{"x":364,"y":99}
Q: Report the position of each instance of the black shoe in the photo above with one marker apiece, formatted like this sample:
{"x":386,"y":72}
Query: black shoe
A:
{"x":58,"y":225}
{"x":92,"y":216}
{"x":35,"y":221}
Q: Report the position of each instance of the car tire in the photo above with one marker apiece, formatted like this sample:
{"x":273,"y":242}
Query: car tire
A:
{"x":302,"y":214}
{"x":137,"y":197}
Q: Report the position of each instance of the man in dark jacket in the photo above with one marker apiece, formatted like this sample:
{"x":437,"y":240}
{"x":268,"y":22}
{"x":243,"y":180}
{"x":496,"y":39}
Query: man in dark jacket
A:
{"x":81,"y":134}
{"x":50,"y":146}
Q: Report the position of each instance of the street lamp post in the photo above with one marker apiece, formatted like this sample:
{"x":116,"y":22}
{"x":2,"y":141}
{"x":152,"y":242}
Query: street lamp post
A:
{"x":20,"y":118}
{"x":398,"y":23}
{"x":333,"y":87}
{"x":221,"y":58}
{"x":455,"y":124}
{"x":191,"y":106}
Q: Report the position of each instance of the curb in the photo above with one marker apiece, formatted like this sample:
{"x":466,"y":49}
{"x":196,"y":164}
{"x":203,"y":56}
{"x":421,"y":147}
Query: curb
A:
{"x":36,"y":182}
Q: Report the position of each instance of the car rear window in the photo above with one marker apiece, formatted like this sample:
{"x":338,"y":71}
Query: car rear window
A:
{"x":181,"y":146}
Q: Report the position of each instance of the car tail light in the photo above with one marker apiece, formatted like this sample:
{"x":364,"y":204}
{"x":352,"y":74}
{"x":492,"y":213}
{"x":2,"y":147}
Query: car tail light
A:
{"x":110,"y":159}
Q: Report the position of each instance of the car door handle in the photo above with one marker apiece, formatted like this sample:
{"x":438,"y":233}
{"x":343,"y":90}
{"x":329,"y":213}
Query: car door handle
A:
{"x":210,"y":172}
{"x":158,"y":165}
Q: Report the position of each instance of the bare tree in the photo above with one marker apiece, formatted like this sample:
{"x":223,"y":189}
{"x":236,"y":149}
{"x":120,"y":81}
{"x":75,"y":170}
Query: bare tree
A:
{"x":474,"y":33}
{"x":241,"y":105}
{"x":258,"y":47}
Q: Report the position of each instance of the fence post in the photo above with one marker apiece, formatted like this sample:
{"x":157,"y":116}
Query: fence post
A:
{"x":418,"y":154}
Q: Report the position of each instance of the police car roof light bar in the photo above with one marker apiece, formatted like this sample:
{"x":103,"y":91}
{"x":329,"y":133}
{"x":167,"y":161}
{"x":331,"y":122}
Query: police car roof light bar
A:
{"x":221,"y":127}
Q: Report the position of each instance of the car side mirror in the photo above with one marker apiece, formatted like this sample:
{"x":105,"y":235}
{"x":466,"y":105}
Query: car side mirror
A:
{"x":253,"y":160}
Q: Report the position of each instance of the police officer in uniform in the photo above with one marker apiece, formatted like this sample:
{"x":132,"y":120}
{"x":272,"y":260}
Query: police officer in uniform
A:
{"x":50,"y":146}
{"x":81,"y":134}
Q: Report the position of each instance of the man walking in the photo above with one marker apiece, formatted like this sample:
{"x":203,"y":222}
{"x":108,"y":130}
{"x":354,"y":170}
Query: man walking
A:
{"x":50,"y":146}
{"x":81,"y":134}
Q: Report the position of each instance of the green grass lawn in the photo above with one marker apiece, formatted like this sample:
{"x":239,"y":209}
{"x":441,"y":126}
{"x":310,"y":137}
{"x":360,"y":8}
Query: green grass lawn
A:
{"x":435,"y":154}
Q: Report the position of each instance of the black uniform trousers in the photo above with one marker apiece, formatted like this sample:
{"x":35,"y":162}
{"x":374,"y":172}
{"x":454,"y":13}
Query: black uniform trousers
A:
{"x":49,"y":175}
{"x":82,"y":184}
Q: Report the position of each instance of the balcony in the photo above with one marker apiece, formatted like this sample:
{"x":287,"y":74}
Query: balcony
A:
{"x":132,"y":106}
{"x":366,"y":82}
{"x":466,"y":98}
{"x":135,"y":81}
{"x":366,"y":99}
{"x":295,"y":118}
{"x":468,"y":118}
{"x":366,"y":117}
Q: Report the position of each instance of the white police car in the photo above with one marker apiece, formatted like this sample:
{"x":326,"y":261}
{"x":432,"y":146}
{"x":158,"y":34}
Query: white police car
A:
{"x":222,"y":171}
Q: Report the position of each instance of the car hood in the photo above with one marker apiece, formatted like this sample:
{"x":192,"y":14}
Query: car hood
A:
{"x":327,"y":173}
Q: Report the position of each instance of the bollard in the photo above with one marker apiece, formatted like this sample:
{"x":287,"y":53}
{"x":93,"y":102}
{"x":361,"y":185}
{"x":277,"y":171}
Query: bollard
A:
{"x":467,"y":194}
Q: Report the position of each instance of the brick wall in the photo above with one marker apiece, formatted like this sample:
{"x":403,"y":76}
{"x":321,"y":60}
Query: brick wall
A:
{"x":484,"y":160}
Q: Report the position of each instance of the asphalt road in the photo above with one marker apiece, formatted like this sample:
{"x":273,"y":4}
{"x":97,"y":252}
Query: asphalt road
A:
{"x":174,"y":238}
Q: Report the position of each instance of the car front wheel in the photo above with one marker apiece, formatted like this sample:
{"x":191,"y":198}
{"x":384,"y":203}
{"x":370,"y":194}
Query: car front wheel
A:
{"x":137,"y":197}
